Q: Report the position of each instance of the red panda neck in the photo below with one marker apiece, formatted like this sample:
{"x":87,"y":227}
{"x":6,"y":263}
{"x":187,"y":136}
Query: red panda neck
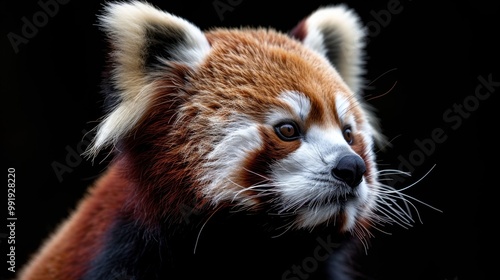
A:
{"x":157,"y":196}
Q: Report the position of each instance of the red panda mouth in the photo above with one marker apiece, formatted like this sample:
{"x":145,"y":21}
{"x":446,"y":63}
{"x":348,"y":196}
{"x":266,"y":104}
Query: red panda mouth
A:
{"x":316,"y":202}
{"x":336,"y":199}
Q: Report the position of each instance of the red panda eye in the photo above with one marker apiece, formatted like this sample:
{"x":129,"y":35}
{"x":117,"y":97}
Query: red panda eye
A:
{"x":287,"y":131}
{"x":348,"y":136}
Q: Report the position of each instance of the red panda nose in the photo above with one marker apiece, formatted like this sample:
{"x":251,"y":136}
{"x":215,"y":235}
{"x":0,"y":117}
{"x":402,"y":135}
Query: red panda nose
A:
{"x":350,"y":169}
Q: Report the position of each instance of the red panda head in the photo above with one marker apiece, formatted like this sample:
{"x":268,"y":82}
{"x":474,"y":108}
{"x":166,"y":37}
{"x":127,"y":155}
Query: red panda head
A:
{"x":246,"y":118}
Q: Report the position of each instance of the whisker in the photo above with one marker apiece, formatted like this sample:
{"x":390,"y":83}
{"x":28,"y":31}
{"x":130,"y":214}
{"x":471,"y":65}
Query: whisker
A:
{"x":363,"y":235}
{"x":255,"y":173}
{"x":386,"y":144}
{"x":407,"y":214}
{"x":393,"y":204}
{"x":203,"y":226}
{"x":421,"y":178}
{"x":385,"y":93}
{"x":373,"y":226}
{"x":387,"y":189}
{"x":288,"y":226}
{"x":394,"y":199}
{"x":393,"y":218}
{"x":381,"y":75}
{"x":421,"y":202}
{"x":392,"y":172}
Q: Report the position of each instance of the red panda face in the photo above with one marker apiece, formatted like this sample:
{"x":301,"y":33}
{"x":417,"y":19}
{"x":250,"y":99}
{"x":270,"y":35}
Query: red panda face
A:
{"x":285,"y":132}
{"x":246,"y":118}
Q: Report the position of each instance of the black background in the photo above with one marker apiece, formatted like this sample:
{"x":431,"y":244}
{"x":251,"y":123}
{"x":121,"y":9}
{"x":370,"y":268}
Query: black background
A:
{"x":423,"y":59}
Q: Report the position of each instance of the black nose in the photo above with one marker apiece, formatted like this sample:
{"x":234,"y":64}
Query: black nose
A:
{"x":350,"y":169}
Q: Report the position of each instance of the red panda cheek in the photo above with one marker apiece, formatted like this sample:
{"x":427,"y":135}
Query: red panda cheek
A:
{"x":257,"y":164}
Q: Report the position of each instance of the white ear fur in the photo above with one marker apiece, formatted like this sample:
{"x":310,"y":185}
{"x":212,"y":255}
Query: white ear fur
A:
{"x":336,"y":33}
{"x":144,"y":42}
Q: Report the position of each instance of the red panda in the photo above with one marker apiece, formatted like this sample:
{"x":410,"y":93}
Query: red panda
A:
{"x":236,"y":153}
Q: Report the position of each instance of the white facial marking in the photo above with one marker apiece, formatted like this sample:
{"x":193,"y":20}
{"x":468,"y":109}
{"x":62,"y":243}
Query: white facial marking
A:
{"x":342,"y":105}
{"x":299,"y":103}
{"x":227,"y":158}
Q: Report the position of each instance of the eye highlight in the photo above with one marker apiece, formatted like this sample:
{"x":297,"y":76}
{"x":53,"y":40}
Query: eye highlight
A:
{"x":348,"y":135}
{"x":287,"y":131}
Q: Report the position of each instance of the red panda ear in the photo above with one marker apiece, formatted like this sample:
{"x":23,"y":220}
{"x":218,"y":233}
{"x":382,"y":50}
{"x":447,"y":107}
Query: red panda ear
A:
{"x":336,"y":33}
{"x":145,"y":42}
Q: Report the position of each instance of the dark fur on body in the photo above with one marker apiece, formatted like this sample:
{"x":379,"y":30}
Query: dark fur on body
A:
{"x":229,"y":246}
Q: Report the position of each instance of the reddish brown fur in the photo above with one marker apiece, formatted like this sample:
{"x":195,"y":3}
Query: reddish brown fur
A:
{"x":68,"y":252}
{"x":258,"y":161}
{"x":159,"y":161}
{"x":249,"y":69}
{"x":245,"y":73}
